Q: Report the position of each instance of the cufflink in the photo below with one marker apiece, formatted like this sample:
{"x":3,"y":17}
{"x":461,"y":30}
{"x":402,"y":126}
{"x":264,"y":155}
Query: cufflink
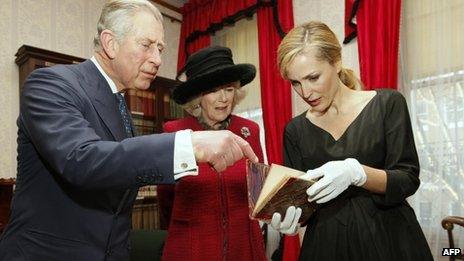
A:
{"x":184,"y":165}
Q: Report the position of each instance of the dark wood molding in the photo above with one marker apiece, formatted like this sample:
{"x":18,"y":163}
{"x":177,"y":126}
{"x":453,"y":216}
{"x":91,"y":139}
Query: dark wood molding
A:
{"x":168,"y":6}
{"x":6,"y":194}
{"x":29,"y":58}
{"x":25,"y":52}
{"x":172,"y":18}
{"x":7,"y":182}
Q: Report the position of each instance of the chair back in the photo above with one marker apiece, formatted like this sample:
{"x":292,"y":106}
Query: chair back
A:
{"x":147,"y":244}
{"x":448,"y":224}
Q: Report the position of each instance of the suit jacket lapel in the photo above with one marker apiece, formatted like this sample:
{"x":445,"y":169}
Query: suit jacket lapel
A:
{"x":103,"y":100}
{"x":106,"y":105}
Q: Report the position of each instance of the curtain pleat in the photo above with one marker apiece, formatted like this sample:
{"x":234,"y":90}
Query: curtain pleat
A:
{"x":378,"y":23}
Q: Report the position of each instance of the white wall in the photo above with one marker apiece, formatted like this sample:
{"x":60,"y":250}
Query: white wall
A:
{"x":168,"y":67}
{"x":65,"y":26}
{"x":332,"y":13}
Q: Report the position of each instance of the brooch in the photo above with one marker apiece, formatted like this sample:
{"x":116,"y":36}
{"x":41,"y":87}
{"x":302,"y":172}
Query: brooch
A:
{"x":245,"y":132}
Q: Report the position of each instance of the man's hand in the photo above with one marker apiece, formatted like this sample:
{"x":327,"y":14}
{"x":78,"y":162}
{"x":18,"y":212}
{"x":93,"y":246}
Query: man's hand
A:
{"x":220,"y":148}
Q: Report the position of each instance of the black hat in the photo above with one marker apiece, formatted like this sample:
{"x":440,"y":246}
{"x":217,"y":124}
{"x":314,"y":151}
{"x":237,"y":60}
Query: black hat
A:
{"x":209,"y":68}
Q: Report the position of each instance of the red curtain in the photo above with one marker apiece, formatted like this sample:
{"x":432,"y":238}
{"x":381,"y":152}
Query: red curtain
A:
{"x":378,"y":26}
{"x":201,"y":42}
{"x":351,"y":7}
{"x":200,"y":18}
{"x":275,"y":93}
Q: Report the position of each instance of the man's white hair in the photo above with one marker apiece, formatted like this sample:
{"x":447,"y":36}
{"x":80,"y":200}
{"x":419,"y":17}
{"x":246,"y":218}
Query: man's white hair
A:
{"x":117,"y":16}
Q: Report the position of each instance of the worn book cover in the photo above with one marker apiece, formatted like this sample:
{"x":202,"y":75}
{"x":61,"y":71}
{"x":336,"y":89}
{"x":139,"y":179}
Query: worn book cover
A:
{"x":274,"y":188}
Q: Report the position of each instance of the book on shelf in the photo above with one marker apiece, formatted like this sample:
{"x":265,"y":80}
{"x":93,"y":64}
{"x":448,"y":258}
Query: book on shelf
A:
{"x":166,"y":105}
{"x":176,"y":111}
{"x":137,"y":212}
{"x":146,"y":191}
{"x":274,"y":188}
{"x":141,"y":103}
{"x":142,"y":126}
{"x":145,"y":216}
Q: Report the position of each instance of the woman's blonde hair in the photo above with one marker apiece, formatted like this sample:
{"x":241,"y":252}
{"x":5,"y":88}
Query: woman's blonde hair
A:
{"x":193,"y":107}
{"x":317,"y":36}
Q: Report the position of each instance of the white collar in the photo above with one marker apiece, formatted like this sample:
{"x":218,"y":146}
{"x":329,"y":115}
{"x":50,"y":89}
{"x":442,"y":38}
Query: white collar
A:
{"x":107,"y":78}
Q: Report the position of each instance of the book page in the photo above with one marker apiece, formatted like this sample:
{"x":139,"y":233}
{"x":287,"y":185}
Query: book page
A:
{"x":276,"y":178}
{"x":285,"y":171}
{"x":274,"y":188}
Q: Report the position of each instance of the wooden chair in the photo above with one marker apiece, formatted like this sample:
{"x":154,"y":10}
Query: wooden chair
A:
{"x":448,"y":224}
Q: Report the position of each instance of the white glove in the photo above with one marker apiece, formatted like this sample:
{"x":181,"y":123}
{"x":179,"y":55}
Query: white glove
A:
{"x":337,"y":176}
{"x":289,"y":225}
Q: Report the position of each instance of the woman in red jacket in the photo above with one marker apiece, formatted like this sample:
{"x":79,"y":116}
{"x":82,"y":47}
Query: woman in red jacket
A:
{"x":209,"y":212}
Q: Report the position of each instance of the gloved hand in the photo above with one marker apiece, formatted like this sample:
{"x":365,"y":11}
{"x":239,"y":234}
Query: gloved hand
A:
{"x":289,"y":225}
{"x":336,"y":177}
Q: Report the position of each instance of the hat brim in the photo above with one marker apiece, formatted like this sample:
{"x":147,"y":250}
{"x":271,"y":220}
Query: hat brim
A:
{"x":199,"y":84}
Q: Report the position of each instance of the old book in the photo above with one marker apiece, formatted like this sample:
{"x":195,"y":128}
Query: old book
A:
{"x":274,"y":188}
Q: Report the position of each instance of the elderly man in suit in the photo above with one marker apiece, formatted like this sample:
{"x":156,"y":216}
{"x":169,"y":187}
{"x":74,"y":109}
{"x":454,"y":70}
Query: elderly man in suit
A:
{"x":79,"y":167}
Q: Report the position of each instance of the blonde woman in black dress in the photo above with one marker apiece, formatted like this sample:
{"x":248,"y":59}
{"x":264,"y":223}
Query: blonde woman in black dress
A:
{"x":360,"y":146}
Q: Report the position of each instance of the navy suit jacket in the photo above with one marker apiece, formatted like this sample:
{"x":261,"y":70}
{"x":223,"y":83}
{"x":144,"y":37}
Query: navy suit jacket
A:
{"x":77,"y":176}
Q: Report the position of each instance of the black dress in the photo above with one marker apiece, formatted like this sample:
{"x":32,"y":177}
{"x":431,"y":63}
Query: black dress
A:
{"x":360,"y":225}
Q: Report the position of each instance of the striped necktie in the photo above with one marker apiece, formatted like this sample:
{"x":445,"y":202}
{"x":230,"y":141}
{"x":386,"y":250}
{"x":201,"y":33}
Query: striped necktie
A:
{"x":124,"y":115}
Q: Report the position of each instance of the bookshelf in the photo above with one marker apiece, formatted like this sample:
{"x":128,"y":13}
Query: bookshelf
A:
{"x":29,"y":58}
{"x":150,"y":109}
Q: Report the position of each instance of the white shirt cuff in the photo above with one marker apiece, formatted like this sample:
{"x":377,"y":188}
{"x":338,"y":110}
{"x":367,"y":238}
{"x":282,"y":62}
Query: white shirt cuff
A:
{"x":184,"y":158}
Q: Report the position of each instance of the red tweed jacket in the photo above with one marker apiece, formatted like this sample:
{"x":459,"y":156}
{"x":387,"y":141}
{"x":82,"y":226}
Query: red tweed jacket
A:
{"x":209,"y":218}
